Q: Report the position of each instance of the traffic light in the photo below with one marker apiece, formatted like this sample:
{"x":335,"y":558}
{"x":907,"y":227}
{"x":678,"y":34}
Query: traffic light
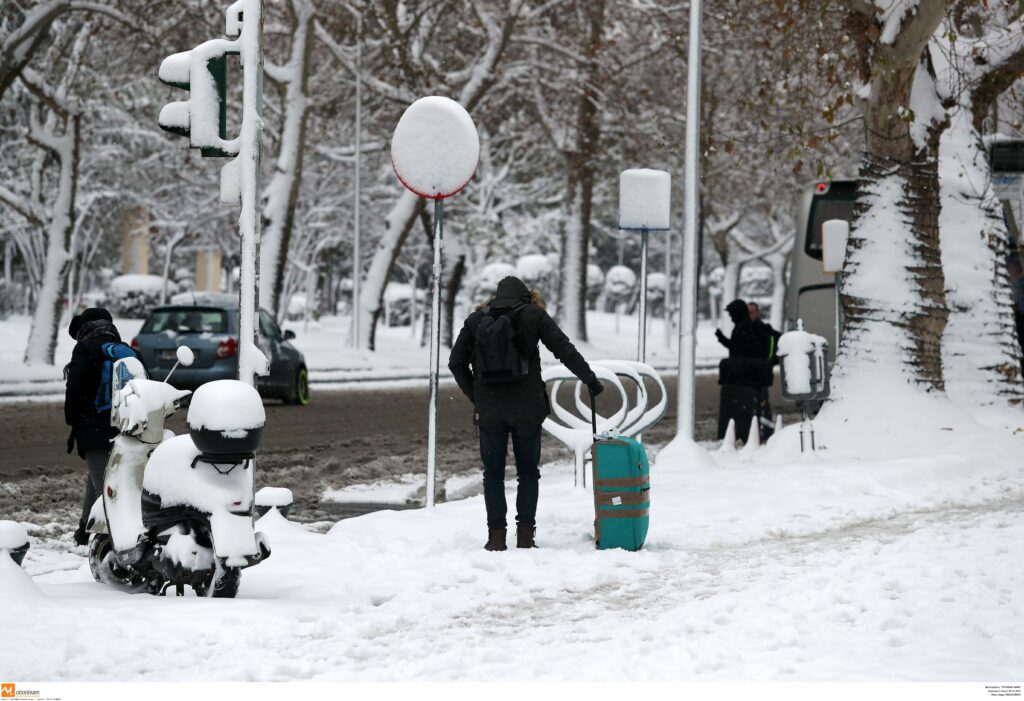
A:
{"x":203,"y":117}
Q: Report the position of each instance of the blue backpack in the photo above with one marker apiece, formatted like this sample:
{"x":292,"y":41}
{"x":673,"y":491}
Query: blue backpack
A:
{"x":110,"y":352}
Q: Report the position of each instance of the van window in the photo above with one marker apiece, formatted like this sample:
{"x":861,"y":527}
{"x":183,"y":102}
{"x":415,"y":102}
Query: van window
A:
{"x":837,"y":203}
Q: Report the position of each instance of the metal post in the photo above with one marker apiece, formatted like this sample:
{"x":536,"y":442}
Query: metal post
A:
{"x":839,"y":311}
{"x":668,"y":288}
{"x":249,"y":155}
{"x":688,"y":291}
{"x":641,"y":349}
{"x":357,"y":265}
{"x":435,"y":347}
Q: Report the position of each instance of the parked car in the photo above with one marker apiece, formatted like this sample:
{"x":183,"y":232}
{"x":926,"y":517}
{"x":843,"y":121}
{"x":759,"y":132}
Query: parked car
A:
{"x":209,"y":326}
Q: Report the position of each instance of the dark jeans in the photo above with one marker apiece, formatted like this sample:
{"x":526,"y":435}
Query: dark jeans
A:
{"x":97,"y":462}
{"x":526,"y":448}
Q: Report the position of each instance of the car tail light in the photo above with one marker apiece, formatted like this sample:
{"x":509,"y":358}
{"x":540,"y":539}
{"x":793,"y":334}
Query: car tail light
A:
{"x":227,"y":348}
{"x":135,"y":344}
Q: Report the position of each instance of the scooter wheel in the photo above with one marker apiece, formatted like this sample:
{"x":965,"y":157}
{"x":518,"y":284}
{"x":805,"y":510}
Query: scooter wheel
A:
{"x":105,"y":570}
{"x":226,"y":587}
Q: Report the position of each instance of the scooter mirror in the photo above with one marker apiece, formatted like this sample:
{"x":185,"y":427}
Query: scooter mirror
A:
{"x":185,"y":355}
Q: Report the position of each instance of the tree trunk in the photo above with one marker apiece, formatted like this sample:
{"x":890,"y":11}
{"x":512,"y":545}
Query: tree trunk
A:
{"x":450,"y":292}
{"x":778,"y":265}
{"x":398,"y":223}
{"x":42,"y":339}
{"x":281,"y":196}
{"x":980,"y":351}
{"x":572,"y":298}
{"x":893,"y":292}
{"x":730,"y":291}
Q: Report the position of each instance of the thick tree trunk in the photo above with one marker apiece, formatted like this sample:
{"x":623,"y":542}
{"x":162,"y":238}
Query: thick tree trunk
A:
{"x":572,"y":298}
{"x":980,"y":352}
{"x":893,"y":292}
{"x":42,"y":339}
{"x":282,"y":194}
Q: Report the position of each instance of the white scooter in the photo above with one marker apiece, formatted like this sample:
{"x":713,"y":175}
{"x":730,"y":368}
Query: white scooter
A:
{"x":178,"y":510}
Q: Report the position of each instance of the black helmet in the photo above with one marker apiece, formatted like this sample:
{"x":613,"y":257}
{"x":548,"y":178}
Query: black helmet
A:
{"x":226,"y":418}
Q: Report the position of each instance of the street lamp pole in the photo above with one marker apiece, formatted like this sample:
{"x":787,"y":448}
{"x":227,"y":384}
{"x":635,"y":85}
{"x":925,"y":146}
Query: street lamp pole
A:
{"x":688,"y":292}
{"x":357,"y":267}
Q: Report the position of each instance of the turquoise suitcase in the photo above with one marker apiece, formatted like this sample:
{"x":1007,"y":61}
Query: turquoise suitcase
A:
{"x":622,"y":493}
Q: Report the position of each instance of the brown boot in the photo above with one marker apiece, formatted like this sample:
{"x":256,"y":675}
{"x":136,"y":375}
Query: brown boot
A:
{"x":496,"y":539}
{"x":525,"y":534}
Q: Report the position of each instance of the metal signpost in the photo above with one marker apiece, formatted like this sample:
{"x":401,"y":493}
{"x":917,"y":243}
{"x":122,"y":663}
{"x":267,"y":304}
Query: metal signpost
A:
{"x":644,"y":206}
{"x":434,"y":150}
{"x":834,"y":235}
{"x":202,"y":118}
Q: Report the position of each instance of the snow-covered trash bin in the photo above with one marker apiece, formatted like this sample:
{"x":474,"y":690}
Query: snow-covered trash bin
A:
{"x":279,"y":498}
{"x":804,"y":366}
{"x":13,"y":541}
{"x":805,"y":374}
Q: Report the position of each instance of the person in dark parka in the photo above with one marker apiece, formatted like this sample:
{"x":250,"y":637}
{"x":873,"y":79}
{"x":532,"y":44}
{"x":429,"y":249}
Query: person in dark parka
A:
{"x":745,"y":376}
{"x":91,"y":431}
{"x":517,"y":409}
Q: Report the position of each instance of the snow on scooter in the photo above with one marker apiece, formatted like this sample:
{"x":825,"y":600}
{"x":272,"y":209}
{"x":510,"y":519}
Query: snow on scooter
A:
{"x":178,"y":510}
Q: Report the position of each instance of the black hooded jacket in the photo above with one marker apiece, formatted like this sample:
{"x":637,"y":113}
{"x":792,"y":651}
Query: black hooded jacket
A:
{"x":90,"y":429}
{"x":748,"y":363}
{"x":523,"y":403}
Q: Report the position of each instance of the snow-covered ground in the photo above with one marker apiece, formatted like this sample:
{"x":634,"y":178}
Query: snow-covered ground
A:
{"x":889,"y":555}
{"x":331,"y":359}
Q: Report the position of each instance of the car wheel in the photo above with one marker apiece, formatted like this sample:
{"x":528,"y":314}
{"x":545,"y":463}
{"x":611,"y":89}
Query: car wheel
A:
{"x":299,"y":393}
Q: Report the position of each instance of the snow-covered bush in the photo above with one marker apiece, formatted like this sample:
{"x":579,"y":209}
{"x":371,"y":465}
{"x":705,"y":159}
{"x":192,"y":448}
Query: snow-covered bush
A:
{"x":12,"y":298}
{"x":619,"y":285}
{"x":398,"y":303}
{"x":656,"y":292}
{"x":133,"y":296}
{"x":538,"y":272}
{"x":486,"y":281}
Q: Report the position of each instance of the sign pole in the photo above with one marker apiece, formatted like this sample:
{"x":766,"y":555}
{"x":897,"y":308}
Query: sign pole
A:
{"x":250,"y":222}
{"x":357,"y":266}
{"x":688,"y":293}
{"x":435,"y":348}
{"x":641,"y":350}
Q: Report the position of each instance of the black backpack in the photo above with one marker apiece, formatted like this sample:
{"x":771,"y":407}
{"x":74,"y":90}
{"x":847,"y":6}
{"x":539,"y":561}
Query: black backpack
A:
{"x":498,"y":358}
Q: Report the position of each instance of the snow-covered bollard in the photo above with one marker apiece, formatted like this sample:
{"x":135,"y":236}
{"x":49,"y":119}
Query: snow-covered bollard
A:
{"x":13,"y":541}
{"x":805,"y":372}
{"x":279,"y":498}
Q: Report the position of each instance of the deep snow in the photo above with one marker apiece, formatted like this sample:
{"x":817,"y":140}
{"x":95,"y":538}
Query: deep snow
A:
{"x":901,"y":562}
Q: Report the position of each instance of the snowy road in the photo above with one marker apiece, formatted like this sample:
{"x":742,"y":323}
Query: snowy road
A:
{"x":343,"y":438}
{"x":932,"y":595}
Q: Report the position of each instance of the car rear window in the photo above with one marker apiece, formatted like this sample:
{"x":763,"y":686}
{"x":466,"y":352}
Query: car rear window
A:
{"x":186,"y":320}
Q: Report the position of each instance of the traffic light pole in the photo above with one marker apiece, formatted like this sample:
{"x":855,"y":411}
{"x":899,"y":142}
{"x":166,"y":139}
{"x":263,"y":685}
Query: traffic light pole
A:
{"x":251,"y":360}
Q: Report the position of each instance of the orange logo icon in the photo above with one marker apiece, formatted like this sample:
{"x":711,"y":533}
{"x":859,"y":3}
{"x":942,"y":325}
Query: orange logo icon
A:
{"x":7,"y":691}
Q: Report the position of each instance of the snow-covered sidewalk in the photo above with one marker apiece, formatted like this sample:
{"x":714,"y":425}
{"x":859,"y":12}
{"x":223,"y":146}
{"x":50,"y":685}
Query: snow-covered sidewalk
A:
{"x":766,"y":567}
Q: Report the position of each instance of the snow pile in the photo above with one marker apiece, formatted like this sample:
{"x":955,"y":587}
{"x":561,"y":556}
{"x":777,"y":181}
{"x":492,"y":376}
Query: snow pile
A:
{"x":435,"y":147}
{"x":534,"y":270}
{"x":16,"y":587}
{"x":169,"y":474}
{"x":135,"y":283}
{"x":645,"y":199}
{"x":12,"y":535}
{"x":274,"y":496}
{"x":226,"y":405}
{"x":488,"y":278}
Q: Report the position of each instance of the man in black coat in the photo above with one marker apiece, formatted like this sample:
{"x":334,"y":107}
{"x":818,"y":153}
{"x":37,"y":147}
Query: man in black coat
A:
{"x":517,"y":408}
{"x":746,"y":375}
{"x":91,"y":431}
